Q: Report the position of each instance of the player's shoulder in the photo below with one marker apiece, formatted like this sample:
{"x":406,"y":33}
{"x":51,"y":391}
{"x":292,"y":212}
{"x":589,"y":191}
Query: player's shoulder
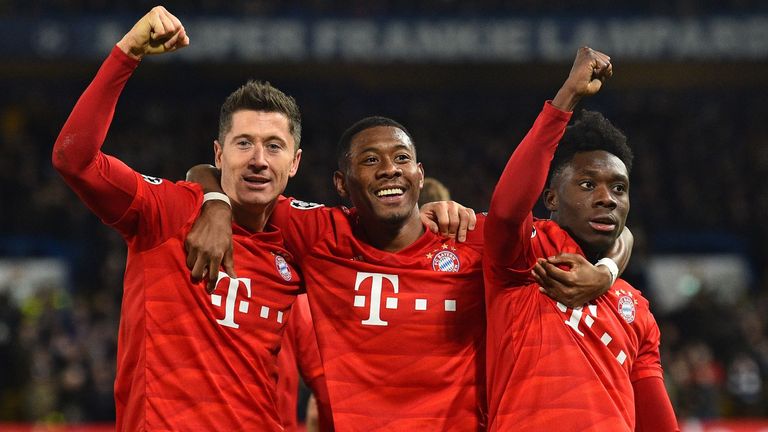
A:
{"x":623,"y":288}
{"x":166,"y":191}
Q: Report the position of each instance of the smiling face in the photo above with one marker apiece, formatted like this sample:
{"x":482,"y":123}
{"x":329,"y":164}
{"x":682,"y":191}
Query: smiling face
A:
{"x":589,"y":198}
{"x":257,"y":158}
{"x":382,"y":177}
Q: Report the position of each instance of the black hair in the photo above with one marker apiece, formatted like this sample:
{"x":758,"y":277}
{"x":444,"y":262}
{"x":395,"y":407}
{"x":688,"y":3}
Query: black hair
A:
{"x":342,"y":148}
{"x":592,"y":131}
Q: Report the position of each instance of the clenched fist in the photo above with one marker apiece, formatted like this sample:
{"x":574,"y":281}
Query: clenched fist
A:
{"x":157,"y":32}
{"x":590,"y":70}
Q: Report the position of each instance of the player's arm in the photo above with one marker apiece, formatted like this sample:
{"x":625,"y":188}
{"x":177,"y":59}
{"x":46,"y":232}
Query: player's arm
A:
{"x":653,"y":408}
{"x":509,"y":221}
{"x":583,"y":281}
{"x":209,"y":243}
{"x":449,"y":218}
{"x":77,"y":154}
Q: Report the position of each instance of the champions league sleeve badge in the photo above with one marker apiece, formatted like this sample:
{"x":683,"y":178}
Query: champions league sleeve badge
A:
{"x":304,"y":205}
{"x":152,"y":180}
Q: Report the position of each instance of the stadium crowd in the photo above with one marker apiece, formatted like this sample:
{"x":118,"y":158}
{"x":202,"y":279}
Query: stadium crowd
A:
{"x":700,"y":154}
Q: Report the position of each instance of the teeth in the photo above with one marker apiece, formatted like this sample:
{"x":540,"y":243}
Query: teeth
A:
{"x":388,"y":192}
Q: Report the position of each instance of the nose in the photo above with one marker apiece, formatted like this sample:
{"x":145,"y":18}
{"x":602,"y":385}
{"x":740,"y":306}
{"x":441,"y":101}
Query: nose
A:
{"x":258,"y":161}
{"x":389,"y":169}
{"x":602,"y":197}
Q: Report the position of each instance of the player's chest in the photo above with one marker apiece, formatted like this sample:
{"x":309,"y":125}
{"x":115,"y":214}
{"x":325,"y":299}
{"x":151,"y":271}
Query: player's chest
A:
{"x":261,"y":295}
{"x":437,"y":284}
{"x":608,"y":327}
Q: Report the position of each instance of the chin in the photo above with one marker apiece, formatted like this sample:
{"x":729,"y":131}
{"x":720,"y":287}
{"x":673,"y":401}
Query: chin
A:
{"x":393,"y":218}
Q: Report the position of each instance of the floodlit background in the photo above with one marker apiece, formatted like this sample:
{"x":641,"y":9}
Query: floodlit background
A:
{"x":467,"y":79}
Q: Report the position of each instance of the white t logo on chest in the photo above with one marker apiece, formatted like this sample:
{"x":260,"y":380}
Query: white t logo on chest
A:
{"x":377,"y":288}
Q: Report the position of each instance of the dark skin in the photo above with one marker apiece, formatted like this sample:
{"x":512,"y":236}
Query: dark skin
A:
{"x":383,"y":179}
{"x":589,"y":198}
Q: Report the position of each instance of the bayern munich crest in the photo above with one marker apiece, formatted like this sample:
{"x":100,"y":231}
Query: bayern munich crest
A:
{"x":446,"y":261}
{"x":282,"y":268}
{"x":627,"y":308}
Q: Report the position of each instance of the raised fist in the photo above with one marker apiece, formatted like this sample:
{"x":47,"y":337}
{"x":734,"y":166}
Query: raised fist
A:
{"x":157,"y":32}
{"x":590,"y":70}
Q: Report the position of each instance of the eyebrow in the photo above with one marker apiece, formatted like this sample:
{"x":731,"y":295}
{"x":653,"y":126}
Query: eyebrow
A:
{"x":373,"y":149}
{"x":251,"y":137}
{"x":597,"y":173}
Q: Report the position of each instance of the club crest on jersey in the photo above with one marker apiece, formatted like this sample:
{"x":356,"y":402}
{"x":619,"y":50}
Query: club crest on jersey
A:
{"x":152,"y":180}
{"x":446,"y":261}
{"x":627,"y":308}
{"x":304,"y":205}
{"x":282,"y":268}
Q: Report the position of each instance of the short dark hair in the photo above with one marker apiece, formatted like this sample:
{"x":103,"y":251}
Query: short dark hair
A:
{"x":342,"y":148}
{"x":260,"y":96}
{"x":592,"y":131}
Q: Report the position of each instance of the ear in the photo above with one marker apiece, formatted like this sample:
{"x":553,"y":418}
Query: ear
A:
{"x":340,"y":183}
{"x":217,"y":152}
{"x":550,"y":199}
{"x":421,"y":172}
{"x":295,"y":163}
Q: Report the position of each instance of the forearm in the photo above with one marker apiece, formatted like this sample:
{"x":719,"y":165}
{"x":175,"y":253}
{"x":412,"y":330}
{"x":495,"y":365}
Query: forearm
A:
{"x":621,"y":251}
{"x":653,"y":408}
{"x":522,"y":181}
{"x":77,"y":152}
{"x":207,"y":176}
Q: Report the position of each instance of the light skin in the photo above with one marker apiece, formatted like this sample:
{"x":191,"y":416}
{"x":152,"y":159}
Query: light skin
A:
{"x":256,"y":158}
{"x":383,"y":158}
{"x":589,"y":198}
{"x":157,"y":32}
{"x":383,"y":180}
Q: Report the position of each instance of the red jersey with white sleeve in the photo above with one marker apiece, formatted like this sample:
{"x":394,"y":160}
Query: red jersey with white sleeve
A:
{"x":299,"y":354}
{"x":549,"y":365}
{"x":401,"y":334}
{"x":187,"y":360}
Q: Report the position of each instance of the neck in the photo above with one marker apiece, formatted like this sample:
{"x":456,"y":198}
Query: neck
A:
{"x":590,"y":253}
{"x":393,"y":236}
{"x":253,"y":218}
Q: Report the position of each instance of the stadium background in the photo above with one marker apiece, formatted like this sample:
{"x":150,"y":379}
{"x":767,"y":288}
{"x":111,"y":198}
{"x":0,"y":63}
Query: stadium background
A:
{"x":467,"y":79}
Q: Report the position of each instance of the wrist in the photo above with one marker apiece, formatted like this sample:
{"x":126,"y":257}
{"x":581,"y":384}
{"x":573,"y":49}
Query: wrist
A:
{"x":216,"y":197}
{"x":129,"y":49}
{"x":609,"y":264}
{"x":566,"y":99}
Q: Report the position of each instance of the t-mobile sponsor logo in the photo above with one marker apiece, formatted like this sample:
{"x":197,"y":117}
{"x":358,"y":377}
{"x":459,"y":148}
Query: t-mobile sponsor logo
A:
{"x":577,"y":315}
{"x":377,"y":279}
{"x":389,"y":301}
{"x":231,"y":299}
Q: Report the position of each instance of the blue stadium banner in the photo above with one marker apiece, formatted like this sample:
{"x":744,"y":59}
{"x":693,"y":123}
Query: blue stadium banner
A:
{"x":413,"y":40}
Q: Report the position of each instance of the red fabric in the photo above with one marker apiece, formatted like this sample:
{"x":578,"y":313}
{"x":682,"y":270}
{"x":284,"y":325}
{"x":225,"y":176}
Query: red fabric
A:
{"x":186,"y":360}
{"x":652,"y":406}
{"x":396,"y":354}
{"x":300,"y":354}
{"x":77,"y":153}
{"x":549,"y":365}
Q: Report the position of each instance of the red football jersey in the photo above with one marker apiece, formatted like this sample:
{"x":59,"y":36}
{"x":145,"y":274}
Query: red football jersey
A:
{"x":300,"y":355}
{"x":549,"y":365}
{"x":187,"y":360}
{"x":401,"y":334}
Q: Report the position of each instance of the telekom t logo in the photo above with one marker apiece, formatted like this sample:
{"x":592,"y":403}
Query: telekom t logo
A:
{"x":377,"y":279}
{"x":589,"y":319}
{"x":229,"y":306}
